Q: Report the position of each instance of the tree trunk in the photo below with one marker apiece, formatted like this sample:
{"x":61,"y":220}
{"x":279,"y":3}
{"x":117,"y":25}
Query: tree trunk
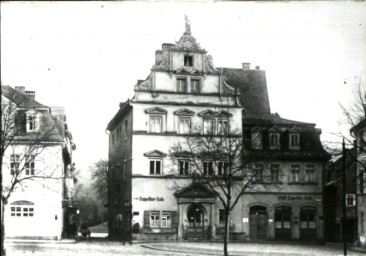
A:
{"x":3,"y":251}
{"x":227,"y":233}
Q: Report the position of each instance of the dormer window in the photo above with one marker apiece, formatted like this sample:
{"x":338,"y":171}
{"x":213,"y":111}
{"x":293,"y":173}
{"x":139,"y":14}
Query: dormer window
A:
{"x":188,"y":61}
{"x":294,"y":141}
{"x":274,"y":140}
{"x":32,"y":121}
{"x":256,"y":140}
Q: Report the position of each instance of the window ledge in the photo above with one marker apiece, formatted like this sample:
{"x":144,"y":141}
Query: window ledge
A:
{"x":303,"y":183}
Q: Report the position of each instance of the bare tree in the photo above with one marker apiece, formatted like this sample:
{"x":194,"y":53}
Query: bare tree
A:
{"x":99,"y":174}
{"x":19,"y":150}
{"x":217,"y":163}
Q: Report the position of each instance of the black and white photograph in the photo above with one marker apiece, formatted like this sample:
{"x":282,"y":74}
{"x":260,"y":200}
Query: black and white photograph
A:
{"x":183,"y":128}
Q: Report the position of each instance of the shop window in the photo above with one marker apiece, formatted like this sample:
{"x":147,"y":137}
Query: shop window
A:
{"x":221,"y":217}
{"x":310,"y":173}
{"x":307,"y":218}
{"x":184,"y":125}
{"x":181,"y":85}
{"x":222,"y":127}
{"x":166,"y":219}
{"x":29,"y":165}
{"x":275,"y":172}
{"x":188,"y":61}
{"x":294,"y":141}
{"x":222,"y":168}
{"x":256,"y":140}
{"x":258,"y":172}
{"x":154,"y":219}
{"x":183,"y":167}
{"x":22,"y":209}
{"x":283,"y":217}
{"x":156,"y":124}
{"x":295,"y":173}
{"x":208,"y":126}
{"x":155,"y":167}
{"x":274,"y":140}
{"x":14,"y":164}
{"x":208,"y":169}
{"x":195,"y":86}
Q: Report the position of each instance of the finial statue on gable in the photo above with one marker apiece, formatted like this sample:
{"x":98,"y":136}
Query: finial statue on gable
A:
{"x":188,"y":25}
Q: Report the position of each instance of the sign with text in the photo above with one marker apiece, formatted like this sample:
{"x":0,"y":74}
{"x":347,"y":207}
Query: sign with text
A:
{"x":150,"y":199}
{"x":294,"y":197}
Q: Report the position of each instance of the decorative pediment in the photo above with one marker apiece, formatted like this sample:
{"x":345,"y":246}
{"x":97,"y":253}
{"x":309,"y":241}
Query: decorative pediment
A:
{"x":207,"y":113}
{"x":274,"y":129}
{"x":256,"y":129}
{"x":195,"y":190}
{"x":156,"y":110}
{"x":155,"y":153}
{"x":190,"y":71}
{"x":294,"y":129}
{"x":184,"y":112}
{"x":224,"y":113}
{"x":144,"y":85}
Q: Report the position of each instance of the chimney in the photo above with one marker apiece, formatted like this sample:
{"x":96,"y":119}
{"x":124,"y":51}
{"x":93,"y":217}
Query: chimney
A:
{"x":31,"y":94}
{"x":246,"y":65}
{"x":20,"y":89}
{"x":257,"y":68}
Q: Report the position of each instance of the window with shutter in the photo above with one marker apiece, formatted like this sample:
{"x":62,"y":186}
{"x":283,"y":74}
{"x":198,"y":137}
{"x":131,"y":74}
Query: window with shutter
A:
{"x":146,"y":219}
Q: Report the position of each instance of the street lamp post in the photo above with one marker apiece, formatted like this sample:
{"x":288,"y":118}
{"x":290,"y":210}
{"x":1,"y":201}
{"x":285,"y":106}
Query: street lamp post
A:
{"x":344,"y":200}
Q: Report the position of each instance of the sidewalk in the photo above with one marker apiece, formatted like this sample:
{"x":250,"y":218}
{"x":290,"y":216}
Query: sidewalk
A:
{"x":39,"y":241}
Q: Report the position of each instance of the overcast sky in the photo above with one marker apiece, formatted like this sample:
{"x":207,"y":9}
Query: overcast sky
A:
{"x":87,"y":56}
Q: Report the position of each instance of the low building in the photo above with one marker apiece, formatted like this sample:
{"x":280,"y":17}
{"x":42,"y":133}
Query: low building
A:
{"x":36,"y":166}
{"x":359,"y":132}
{"x":153,"y":199}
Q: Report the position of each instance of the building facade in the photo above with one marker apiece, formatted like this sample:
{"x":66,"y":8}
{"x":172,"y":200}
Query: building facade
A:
{"x":359,"y":132}
{"x":37,"y":161}
{"x":185,"y":91}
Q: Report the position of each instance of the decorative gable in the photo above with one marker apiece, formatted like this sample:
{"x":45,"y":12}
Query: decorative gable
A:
{"x":156,"y":110}
{"x":294,"y":129}
{"x":195,"y":190}
{"x":274,"y":129}
{"x":155,"y":153}
{"x":207,"y":113}
{"x":184,"y":112}
{"x":224,"y":113}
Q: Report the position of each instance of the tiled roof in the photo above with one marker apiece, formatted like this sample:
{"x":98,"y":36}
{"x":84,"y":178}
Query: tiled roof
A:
{"x":270,"y":119}
{"x":123,"y":108}
{"x":21,"y":100}
{"x":253,"y":89}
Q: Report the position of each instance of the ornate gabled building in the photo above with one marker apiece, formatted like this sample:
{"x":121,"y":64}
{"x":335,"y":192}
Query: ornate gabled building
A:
{"x":36,"y":166}
{"x":185,"y":90}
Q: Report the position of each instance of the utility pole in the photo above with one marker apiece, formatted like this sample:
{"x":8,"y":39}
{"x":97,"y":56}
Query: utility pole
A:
{"x":344,"y":200}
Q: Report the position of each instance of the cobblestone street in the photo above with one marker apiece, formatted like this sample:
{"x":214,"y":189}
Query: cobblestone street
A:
{"x":173,"y":248}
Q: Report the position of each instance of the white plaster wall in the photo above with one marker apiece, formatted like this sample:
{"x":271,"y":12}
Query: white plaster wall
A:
{"x":46,"y":194}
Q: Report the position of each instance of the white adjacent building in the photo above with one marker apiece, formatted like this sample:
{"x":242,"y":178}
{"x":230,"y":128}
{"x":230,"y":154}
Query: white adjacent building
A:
{"x":39,"y":156}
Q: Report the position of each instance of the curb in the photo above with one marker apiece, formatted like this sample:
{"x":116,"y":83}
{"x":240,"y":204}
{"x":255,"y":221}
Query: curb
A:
{"x":24,"y":241}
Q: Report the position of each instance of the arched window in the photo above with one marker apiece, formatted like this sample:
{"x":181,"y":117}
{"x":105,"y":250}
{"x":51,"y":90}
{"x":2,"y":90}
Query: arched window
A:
{"x":22,"y":208}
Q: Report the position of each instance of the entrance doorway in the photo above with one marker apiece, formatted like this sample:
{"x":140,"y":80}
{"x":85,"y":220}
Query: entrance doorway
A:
{"x":308,"y":223}
{"x":283,"y":222}
{"x":258,"y":222}
{"x":195,"y":217}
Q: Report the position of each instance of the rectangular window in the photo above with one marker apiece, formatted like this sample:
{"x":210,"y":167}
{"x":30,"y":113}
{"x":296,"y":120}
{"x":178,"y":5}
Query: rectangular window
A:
{"x":14,"y":164}
{"x":208,"y":126}
{"x":221,"y":217}
{"x":124,"y":170}
{"x":222,"y":127}
{"x":275,"y":172}
{"x":195,"y":86}
{"x":183,"y":167}
{"x":166,"y":219}
{"x":310,"y":173}
{"x":184,"y":125}
{"x":208,"y":168}
{"x":181,"y":85}
{"x":126,"y":127}
{"x":29,"y":165}
{"x":295,"y":173}
{"x":223,"y":168}
{"x":350,"y":200}
{"x":294,"y":141}
{"x":155,"y":124}
{"x":258,"y":172}
{"x":256,"y":140}
{"x":274,"y":140}
{"x":32,"y":123}
{"x":22,"y":211}
{"x":118,"y":134}
{"x":112,"y":138}
{"x":154,"y":219}
{"x":155,"y":167}
{"x":188,"y":61}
